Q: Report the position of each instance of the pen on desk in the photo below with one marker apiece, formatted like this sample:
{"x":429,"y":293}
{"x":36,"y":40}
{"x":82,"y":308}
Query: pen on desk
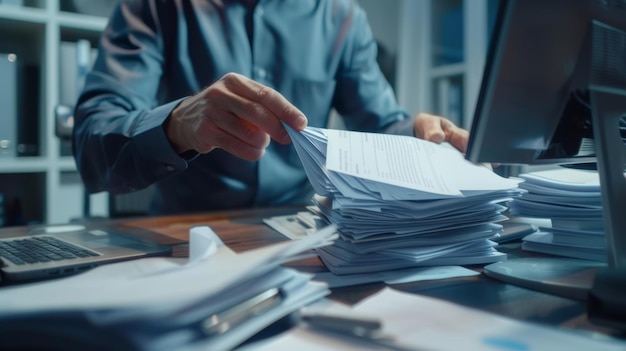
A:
{"x":351,"y":325}
{"x":368,"y":330}
{"x":304,"y":223}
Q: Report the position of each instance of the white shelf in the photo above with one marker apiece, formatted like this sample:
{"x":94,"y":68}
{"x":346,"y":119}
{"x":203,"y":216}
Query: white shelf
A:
{"x":66,"y":164}
{"x":23,"y":14}
{"x":36,"y":164}
{"x":450,"y":70}
{"x":48,"y":186}
{"x":82,"y":22}
{"x":23,"y":165}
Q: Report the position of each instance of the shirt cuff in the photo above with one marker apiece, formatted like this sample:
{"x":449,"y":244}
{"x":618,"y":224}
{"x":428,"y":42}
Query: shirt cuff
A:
{"x":153,"y":145}
{"x":405,"y":126}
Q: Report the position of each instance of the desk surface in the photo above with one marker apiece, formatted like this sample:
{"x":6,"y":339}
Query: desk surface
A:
{"x":245,"y":230}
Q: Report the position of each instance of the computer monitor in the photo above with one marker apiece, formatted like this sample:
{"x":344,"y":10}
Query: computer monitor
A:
{"x":554,"y":91}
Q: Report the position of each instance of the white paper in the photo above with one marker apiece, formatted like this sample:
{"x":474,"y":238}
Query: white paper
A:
{"x":409,"y":163}
{"x":425,"y":323}
{"x":429,"y":323}
{"x":203,"y":242}
{"x":566,"y":179}
{"x":295,"y":226}
{"x":402,"y":161}
{"x":399,"y":276}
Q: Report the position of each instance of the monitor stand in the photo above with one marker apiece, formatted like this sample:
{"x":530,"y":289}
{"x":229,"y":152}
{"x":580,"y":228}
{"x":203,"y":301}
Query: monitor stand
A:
{"x":566,"y":277}
{"x":577,"y":278}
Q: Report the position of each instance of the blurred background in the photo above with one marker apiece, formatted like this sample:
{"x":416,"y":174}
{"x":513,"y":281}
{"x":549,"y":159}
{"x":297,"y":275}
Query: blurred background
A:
{"x":431,"y":51}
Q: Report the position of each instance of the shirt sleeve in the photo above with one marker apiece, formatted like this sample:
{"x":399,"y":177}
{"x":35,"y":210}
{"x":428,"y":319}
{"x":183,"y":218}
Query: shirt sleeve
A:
{"x":363,"y":97}
{"x":119,"y":141}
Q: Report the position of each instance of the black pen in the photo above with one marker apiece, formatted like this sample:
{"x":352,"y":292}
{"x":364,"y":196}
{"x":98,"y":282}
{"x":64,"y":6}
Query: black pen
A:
{"x":368,"y":330}
{"x":352,"y":325}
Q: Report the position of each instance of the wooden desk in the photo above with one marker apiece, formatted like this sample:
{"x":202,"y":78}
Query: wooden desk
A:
{"x":245,"y":230}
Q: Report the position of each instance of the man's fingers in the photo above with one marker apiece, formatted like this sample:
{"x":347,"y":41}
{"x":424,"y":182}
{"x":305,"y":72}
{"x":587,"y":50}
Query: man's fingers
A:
{"x":487,"y":165}
{"x":438,"y":129}
{"x":267,"y":97}
{"x":428,"y":127}
{"x":235,"y":114}
{"x":219,"y":117}
{"x":247,"y":121}
{"x":247,"y":133}
{"x":457,"y":137}
{"x":256,"y":115}
{"x":237,"y":147}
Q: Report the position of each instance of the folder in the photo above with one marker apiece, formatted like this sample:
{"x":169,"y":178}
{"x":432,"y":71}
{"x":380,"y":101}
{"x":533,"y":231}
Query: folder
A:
{"x":8,"y":101}
{"x":215,"y":300}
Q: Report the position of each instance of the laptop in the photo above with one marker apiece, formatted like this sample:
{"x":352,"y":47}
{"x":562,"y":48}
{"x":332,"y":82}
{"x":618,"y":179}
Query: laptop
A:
{"x":63,"y":250}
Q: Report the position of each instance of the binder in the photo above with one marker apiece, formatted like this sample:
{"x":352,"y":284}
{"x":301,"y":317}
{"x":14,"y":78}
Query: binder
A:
{"x":8,"y":105}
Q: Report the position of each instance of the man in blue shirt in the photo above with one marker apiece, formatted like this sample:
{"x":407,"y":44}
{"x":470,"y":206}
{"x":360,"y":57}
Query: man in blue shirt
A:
{"x":191,"y":96}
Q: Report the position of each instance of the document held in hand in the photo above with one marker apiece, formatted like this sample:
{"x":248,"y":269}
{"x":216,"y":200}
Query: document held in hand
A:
{"x":215,"y":300}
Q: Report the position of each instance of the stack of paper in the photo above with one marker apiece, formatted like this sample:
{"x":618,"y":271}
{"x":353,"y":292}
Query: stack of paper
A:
{"x":401,"y":202}
{"x":214,"y":301}
{"x":571,"y":199}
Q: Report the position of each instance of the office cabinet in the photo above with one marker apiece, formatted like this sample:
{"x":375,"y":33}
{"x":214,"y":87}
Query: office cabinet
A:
{"x":38,"y":178}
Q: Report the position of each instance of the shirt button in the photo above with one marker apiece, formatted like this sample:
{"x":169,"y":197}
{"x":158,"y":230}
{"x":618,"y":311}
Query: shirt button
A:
{"x":170,"y":168}
{"x":261,"y":73}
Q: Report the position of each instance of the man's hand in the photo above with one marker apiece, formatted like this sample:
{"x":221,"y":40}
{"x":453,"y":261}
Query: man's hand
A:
{"x":438,"y":129}
{"x":235,"y":114}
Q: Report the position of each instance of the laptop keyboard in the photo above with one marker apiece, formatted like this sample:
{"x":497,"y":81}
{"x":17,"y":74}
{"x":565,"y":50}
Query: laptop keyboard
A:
{"x":40,"y":249}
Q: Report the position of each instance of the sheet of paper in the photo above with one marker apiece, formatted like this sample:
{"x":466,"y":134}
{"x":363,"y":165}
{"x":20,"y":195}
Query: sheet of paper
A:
{"x":409,"y":163}
{"x":566,"y":179}
{"x":402,"y":161}
{"x":295,"y":226}
{"x":399,"y":276}
{"x":203,"y":243}
{"x":544,"y":242}
{"x":425,"y":323}
{"x":447,"y":326}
